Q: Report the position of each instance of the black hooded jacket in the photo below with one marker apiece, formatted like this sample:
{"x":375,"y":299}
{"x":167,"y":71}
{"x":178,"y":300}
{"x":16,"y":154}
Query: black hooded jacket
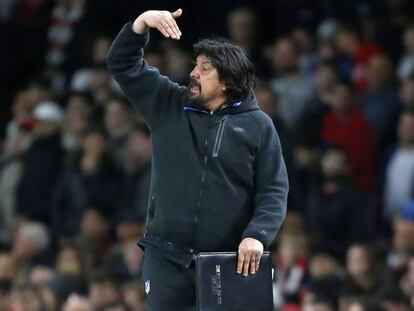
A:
{"x":216,"y":177}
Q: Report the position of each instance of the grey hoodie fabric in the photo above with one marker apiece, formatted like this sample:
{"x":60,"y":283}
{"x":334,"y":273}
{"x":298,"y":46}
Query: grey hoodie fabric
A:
{"x":216,"y":177}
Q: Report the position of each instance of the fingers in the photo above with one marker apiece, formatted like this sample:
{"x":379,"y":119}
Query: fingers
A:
{"x":174,"y":28}
{"x":257,"y":261}
{"x":253,"y":264}
{"x":163,"y":31}
{"x":248,"y":263}
{"x":240,"y":262}
{"x":168,"y":27}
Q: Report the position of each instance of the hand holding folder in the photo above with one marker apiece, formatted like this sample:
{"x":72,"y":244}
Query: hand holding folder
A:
{"x":220,"y":288}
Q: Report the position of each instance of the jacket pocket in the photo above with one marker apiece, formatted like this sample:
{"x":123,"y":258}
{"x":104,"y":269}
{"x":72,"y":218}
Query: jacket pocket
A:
{"x":219,"y":136}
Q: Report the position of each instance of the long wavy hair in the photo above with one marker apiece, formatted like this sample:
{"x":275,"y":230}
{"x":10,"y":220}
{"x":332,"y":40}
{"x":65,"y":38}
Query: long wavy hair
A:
{"x":235,"y":69}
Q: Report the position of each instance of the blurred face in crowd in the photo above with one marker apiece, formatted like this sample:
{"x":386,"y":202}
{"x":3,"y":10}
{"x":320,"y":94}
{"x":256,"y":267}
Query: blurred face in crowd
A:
{"x":23,"y":246}
{"x":403,"y":236}
{"x":8,"y":267}
{"x":40,"y":276}
{"x":291,"y":248}
{"x":119,"y":307}
{"x":241,"y":27}
{"x":95,"y":144}
{"x":325,"y":79}
{"x":139,"y":144}
{"x":100,"y":49}
{"x":379,"y":72}
{"x":4,"y":299}
{"x":334,"y":164}
{"x":103,"y":293}
{"x":355,"y":306}
{"x":285,"y":56}
{"x":326,"y":50}
{"x":76,"y":303}
{"x":407,"y":93}
{"x":25,"y":300}
{"x":78,"y":113}
{"x":322,"y":265}
{"x":68,"y":262}
{"x":340,"y":98}
{"x":406,"y":129}
{"x":134,"y":297}
{"x":267,"y":101}
{"x":357,"y":262}
{"x":409,"y":40}
{"x":129,"y":230}
{"x":347,"y":42}
{"x":205,"y":84}
{"x":93,"y":224}
{"x":303,"y":40}
{"x":36,"y":93}
{"x":177,"y":64}
{"x":316,"y":306}
{"x":117,"y":117}
{"x":20,"y":107}
{"x":100,"y":84}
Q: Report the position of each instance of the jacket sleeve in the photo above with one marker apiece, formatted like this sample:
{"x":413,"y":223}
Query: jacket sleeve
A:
{"x":271,"y":186}
{"x":151,"y":93}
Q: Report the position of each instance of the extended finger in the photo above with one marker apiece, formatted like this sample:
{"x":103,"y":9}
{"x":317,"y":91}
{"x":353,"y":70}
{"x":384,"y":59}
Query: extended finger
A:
{"x":176,"y":28}
{"x":167,"y":28}
{"x":246,"y":265}
{"x":163,"y":31}
{"x":240,"y":261}
{"x":257,"y":261}
{"x":253,"y":264}
{"x":173,"y":25}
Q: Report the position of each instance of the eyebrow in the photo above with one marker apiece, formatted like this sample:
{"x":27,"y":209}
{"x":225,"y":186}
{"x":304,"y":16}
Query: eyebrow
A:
{"x":203,"y":62}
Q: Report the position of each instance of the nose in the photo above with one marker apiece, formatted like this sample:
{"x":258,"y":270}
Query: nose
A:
{"x":194,"y":73}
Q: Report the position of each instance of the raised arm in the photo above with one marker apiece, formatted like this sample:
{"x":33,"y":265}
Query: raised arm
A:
{"x":152,"y":94}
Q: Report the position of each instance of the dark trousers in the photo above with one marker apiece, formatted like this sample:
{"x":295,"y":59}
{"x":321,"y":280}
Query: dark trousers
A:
{"x":168,"y":286}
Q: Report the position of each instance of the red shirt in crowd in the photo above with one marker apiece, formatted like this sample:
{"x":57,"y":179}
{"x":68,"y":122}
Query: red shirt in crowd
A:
{"x":352,"y":132}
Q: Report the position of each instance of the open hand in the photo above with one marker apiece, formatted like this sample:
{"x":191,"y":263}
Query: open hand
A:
{"x":250,"y":252}
{"x":164,"y":21}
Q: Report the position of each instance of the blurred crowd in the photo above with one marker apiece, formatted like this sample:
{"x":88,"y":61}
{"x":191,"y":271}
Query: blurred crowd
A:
{"x":75,"y":158}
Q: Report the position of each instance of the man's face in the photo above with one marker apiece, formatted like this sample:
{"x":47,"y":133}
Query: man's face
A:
{"x":284,"y":57}
{"x":205,"y":84}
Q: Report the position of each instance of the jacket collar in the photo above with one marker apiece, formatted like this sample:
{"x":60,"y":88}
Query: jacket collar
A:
{"x":247,"y":104}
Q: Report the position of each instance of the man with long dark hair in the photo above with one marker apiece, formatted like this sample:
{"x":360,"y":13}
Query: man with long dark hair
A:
{"x":218,"y":181}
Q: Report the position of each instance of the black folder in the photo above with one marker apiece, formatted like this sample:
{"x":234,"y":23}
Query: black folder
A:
{"x":220,"y":288}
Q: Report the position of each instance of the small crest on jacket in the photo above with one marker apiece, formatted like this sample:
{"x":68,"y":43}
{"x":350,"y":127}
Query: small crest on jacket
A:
{"x":147,"y":286}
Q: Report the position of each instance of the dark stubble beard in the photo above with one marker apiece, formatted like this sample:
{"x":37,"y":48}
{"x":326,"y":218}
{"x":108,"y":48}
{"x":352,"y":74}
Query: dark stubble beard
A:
{"x":197,"y":100}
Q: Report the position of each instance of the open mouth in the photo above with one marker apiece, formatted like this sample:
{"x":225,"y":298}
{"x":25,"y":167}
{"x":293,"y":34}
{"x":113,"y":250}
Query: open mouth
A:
{"x":194,"y":87}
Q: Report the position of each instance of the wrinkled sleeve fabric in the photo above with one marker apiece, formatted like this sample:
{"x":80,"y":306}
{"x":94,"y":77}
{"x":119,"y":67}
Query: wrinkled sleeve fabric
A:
{"x":271,"y":186}
{"x":151,"y":93}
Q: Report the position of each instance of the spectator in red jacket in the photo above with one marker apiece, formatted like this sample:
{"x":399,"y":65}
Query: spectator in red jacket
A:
{"x":359,"y":52}
{"x":347,"y":127}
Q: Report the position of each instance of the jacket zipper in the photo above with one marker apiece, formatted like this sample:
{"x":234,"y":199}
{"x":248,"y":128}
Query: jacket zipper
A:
{"x":219,"y":136}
